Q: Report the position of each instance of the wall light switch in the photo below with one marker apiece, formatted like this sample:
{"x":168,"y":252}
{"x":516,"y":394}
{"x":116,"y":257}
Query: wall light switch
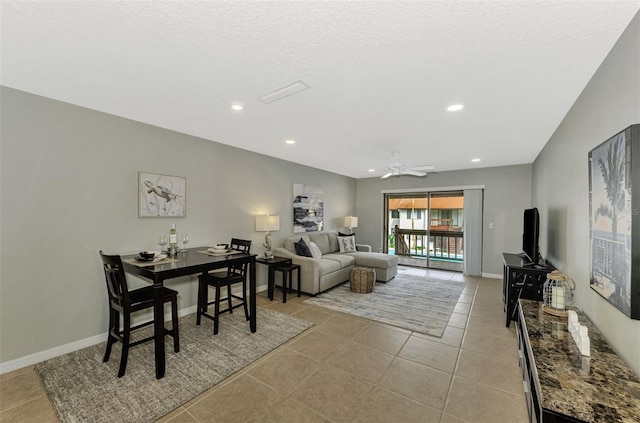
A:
{"x":491,"y":225}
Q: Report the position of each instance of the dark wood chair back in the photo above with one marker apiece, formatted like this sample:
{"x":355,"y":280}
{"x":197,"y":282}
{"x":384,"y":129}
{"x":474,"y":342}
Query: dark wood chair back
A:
{"x":236,"y":273}
{"x":243,"y":245}
{"x":124,"y":302}
{"x":116,"y":281}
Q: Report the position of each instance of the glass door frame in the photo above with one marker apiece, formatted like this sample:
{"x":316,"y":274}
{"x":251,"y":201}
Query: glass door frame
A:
{"x":414,"y":216}
{"x":421,"y":260}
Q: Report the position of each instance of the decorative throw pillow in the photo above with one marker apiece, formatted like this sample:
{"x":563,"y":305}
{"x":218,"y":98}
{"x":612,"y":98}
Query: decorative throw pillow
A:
{"x":315,"y":250}
{"x":347,"y":244}
{"x":302,"y":249}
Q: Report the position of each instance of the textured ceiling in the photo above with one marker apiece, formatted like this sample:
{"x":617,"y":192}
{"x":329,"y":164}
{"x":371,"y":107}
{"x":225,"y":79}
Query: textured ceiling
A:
{"x":381,"y":73}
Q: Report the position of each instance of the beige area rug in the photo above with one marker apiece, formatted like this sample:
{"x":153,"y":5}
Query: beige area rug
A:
{"x":84,"y":389}
{"x":418,"y":303}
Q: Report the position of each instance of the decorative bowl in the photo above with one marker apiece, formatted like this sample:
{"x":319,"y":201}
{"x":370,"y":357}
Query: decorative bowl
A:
{"x":220,"y":247}
{"x":148,"y":254}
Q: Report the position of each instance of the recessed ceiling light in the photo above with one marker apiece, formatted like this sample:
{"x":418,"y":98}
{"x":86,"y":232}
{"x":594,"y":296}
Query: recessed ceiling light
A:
{"x":290,"y":141}
{"x":237,"y":106}
{"x":455,"y":107}
{"x":372,"y":170}
{"x":476,"y":159}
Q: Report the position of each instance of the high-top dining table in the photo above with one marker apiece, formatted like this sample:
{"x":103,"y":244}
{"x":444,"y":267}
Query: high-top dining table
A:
{"x":187,"y":262}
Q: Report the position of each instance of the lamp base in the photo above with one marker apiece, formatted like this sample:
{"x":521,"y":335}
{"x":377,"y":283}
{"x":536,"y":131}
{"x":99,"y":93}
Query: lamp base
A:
{"x":553,"y":311}
{"x":268,"y":253}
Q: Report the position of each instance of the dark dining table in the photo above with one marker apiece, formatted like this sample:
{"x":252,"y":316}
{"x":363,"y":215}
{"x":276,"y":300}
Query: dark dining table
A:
{"x":187,"y":262}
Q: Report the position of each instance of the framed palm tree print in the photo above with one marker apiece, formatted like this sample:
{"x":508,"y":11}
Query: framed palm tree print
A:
{"x":614,"y":226}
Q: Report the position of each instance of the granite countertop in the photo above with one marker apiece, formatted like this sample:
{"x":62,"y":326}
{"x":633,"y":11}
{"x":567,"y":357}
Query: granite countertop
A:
{"x":599,"y":388}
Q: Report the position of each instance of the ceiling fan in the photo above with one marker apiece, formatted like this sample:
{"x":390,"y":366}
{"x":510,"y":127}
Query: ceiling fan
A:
{"x":396,"y":167}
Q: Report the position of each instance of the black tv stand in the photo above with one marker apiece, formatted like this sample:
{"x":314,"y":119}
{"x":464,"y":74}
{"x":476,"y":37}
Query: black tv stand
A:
{"x":522,"y":279}
{"x":531,"y":265}
{"x":527,"y":262}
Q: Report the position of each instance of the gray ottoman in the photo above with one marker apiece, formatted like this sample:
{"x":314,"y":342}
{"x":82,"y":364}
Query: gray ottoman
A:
{"x":385,"y":265}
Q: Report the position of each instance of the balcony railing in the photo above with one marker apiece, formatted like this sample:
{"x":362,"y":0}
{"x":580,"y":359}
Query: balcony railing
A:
{"x":442,"y":244}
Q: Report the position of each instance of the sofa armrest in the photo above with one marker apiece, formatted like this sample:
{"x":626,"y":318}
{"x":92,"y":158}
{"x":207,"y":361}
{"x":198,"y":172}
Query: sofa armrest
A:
{"x":309,"y":269}
{"x":363,"y":247}
{"x":283,"y":252}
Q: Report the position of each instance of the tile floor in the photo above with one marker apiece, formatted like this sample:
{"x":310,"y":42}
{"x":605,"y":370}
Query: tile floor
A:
{"x":350,"y":369}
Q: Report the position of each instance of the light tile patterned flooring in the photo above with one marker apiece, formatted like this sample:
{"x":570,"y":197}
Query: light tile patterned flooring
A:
{"x":350,"y":369}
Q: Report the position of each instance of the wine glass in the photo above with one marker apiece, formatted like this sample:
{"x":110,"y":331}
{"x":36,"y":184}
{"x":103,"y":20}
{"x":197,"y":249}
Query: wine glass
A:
{"x":162,"y":241}
{"x":184,"y":238}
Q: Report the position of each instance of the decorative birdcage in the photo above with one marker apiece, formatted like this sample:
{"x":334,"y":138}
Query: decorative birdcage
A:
{"x":557,"y":294}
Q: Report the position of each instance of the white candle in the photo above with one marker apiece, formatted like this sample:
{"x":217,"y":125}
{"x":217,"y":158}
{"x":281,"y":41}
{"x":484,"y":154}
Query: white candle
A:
{"x":557,"y":297}
{"x":573,"y":316}
{"x":585,"y":342}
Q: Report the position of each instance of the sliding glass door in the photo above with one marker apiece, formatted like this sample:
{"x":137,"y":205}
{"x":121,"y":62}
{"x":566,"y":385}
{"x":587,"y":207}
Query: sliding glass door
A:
{"x":425,"y":229}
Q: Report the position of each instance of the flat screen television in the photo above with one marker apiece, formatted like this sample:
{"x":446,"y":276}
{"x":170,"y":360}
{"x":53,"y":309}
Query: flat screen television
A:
{"x":530,"y":235}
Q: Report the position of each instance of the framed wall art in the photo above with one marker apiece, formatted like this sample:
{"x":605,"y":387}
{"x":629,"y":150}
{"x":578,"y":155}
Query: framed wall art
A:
{"x":308,"y":208}
{"x":161,"y":195}
{"x":614,"y":220}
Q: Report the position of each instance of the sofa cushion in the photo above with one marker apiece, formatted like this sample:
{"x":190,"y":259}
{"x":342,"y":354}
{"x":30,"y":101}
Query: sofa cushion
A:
{"x":315,"y":250}
{"x":333,"y":242}
{"x":328,"y":266}
{"x":302,"y":249}
{"x":289,"y":243}
{"x":379,"y":260}
{"x":345,"y":260}
{"x":322,"y":240}
{"x":347,"y":244}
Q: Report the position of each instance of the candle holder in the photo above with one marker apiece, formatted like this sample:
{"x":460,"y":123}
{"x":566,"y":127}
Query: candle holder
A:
{"x":557,"y":294}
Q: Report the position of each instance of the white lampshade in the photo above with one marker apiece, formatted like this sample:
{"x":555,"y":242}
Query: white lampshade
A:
{"x":351,"y":222}
{"x":267,"y":223}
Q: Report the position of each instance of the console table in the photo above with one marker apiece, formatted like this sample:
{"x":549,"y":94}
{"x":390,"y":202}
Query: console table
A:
{"x":560,"y":384}
{"x":521,"y":280}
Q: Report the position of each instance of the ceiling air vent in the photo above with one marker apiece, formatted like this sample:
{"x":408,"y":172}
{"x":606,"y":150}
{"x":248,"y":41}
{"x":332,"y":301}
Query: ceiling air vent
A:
{"x":285,"y":91}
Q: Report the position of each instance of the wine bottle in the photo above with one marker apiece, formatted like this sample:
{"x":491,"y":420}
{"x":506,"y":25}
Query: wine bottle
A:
{"x":173,"y":238}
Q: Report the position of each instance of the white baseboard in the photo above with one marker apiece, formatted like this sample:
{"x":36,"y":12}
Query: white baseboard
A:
{"x":31,"y":359}
{"x":492,"y":275}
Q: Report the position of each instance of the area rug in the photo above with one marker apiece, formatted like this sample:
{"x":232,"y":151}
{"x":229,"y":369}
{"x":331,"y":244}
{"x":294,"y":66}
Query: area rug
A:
{"x":84,"y":389}
{"x":418,"y":303}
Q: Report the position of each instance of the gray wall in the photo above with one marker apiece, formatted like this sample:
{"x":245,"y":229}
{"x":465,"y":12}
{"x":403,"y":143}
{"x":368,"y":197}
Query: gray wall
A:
{"x":507,"y":192}
{"x":69,"y":189}
{"x":608,"y":104}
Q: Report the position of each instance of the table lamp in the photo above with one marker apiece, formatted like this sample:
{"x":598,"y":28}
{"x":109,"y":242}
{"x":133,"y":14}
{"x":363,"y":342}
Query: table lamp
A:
{"x":267,"y":224}
{"x":351,"y":222}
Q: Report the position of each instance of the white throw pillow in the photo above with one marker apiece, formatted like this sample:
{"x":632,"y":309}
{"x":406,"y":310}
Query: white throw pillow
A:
{"x":347,"y":244}
{"x":315,"y":250}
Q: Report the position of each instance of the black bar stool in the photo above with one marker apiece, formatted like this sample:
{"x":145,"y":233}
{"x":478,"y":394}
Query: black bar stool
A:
{"x":287,"y":273}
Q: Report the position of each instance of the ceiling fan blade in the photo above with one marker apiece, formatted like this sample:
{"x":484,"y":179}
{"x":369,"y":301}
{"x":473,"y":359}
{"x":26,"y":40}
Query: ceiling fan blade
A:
{"x":386,"y":175}
{"x":413,"y":173}
{"x":420,"y":168}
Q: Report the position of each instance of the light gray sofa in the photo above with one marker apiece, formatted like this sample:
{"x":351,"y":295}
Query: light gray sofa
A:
{"x":317,"y":275}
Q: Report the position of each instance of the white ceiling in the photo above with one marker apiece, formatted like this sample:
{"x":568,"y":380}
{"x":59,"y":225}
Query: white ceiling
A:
{"x":381,"y":73}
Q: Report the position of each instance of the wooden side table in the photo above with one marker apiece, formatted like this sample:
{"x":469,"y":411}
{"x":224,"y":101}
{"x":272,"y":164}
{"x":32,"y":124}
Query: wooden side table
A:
{"x":287,"y":270}
{"x":274,"y":264}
